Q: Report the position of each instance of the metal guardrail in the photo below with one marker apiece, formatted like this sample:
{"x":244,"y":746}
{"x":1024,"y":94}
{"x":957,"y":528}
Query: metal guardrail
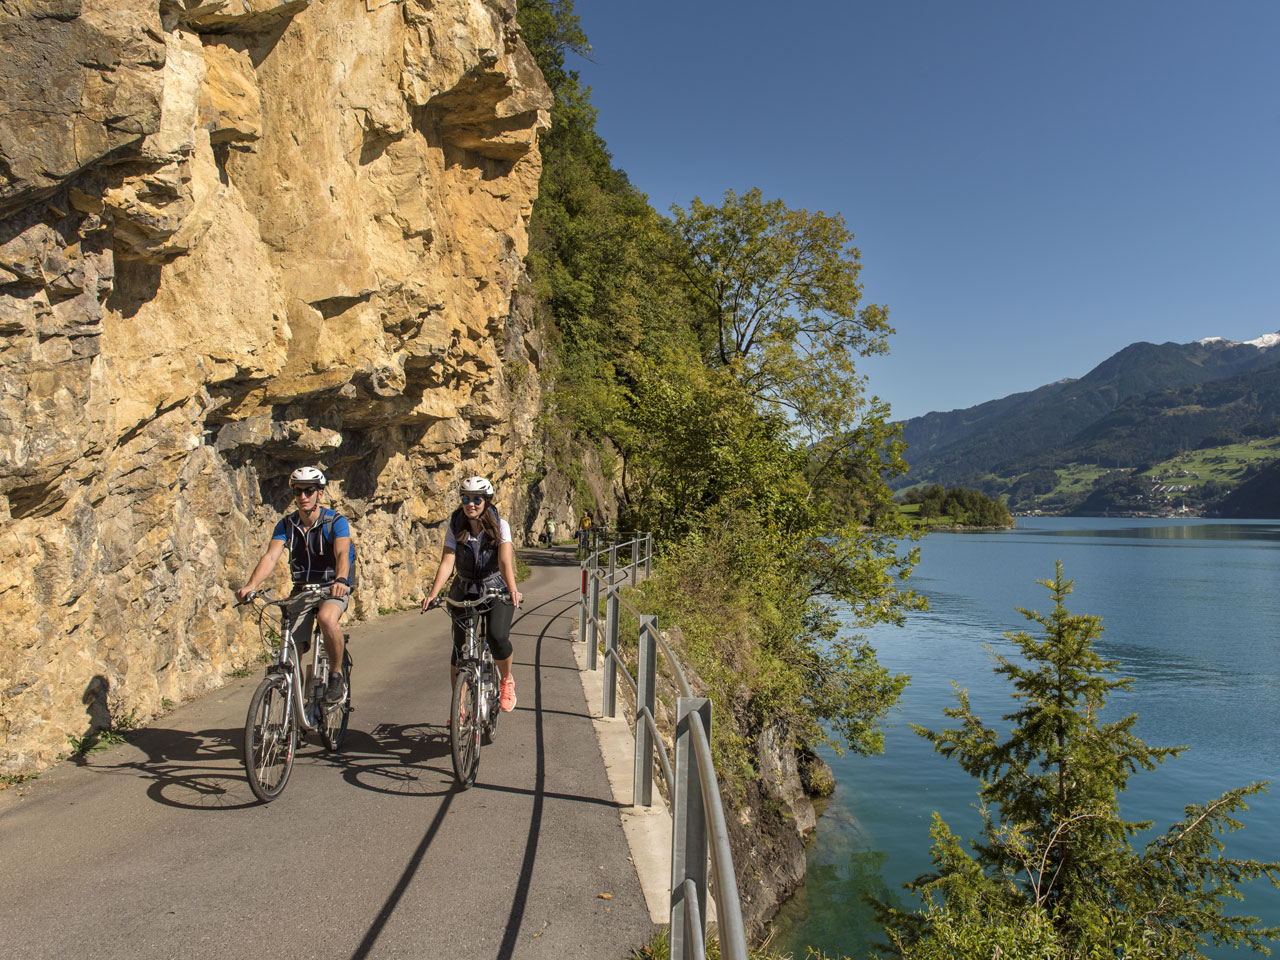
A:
{"x":698,"y":824}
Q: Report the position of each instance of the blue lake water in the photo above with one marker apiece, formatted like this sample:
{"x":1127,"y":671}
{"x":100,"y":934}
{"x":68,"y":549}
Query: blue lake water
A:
{"x":1190,"y":609}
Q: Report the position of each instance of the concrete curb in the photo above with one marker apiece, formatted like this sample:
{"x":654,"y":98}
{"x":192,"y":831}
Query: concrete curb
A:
{"x":647,"y":829}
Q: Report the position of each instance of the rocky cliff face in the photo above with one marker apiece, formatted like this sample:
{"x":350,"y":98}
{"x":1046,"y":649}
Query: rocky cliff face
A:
{"x":238,"y":236}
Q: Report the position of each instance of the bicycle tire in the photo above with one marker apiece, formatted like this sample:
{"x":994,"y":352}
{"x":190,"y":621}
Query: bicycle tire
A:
{"x":270,"y":739}
{"x":334,"y":728}
{"x":464,"y":728}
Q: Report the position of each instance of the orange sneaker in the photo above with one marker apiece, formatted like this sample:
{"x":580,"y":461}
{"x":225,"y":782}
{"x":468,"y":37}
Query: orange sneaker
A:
{"x":507,"y":697}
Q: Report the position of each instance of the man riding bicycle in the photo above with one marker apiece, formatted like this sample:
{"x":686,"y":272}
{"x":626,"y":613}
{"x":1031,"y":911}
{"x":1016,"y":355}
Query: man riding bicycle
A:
{"x":320,"y":551}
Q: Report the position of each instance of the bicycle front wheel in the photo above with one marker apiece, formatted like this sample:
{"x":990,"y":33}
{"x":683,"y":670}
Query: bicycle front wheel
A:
{"x":334,"y":726}
{"x":464,"y":727}
{"x":270,"y":738}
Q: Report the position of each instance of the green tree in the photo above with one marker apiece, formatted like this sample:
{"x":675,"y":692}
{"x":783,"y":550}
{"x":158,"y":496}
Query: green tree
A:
{"x":746,"y":439}
{"x":776,"y":294}
{"x":605,"y":297}
{"x":1054,"y":845}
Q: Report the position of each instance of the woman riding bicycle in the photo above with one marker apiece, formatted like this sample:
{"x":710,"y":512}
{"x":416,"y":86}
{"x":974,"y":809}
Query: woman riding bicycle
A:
{"x":478,"y":543}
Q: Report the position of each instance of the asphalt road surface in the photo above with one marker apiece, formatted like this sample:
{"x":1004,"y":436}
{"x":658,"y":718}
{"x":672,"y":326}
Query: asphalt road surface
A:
{"x":157,"y":847}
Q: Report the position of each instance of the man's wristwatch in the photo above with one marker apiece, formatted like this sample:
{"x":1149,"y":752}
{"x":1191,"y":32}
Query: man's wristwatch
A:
{"x":342,"y":580}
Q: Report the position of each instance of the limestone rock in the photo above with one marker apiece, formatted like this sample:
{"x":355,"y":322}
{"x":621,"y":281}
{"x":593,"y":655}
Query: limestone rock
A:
{"x":237,"y":236}
{"x":80,"y":79}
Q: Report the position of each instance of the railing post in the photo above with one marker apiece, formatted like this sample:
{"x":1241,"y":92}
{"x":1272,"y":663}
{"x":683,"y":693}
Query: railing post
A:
{"x":593,"y":616}
{"x":635,"y":559}
{"x":648,"y":554}
{"x":611,"y":638}
{"x":688,"y":826}
{"x":646,"y":699}
{"x":582,"y":604}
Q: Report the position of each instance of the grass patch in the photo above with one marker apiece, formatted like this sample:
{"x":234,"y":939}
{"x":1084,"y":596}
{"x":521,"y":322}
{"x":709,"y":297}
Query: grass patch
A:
{"x":13,"y":779}
{"x":95,"y":741}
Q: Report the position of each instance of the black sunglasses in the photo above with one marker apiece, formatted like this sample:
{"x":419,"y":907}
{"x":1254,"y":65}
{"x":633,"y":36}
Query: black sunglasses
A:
{"x":304,"y":491}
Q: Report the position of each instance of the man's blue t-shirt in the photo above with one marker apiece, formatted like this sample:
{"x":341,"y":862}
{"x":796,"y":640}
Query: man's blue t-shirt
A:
{"x":311,"y":557}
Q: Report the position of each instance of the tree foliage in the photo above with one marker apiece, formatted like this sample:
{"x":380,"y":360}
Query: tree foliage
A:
{"x":775,"y":294}
{"x":713,"y":351}
{"x":1054,"y":846}
{"x":959,"y":505}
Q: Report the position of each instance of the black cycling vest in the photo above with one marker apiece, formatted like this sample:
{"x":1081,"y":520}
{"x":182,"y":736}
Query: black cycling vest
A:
{"x":475,"y":565}
{"x":311,"y":554}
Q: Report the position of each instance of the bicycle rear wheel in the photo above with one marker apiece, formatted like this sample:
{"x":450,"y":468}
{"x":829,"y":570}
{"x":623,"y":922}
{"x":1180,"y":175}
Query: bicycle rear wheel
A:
{"x":464,"y":727}
{"x":270,"y":738}
{"x":334,"y":726}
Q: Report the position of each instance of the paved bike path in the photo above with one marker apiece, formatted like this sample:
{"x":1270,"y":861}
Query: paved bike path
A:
{"x":157,"y":848}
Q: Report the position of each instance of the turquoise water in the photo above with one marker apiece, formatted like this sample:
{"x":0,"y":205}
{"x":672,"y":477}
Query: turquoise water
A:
{"x":1190,"y":609}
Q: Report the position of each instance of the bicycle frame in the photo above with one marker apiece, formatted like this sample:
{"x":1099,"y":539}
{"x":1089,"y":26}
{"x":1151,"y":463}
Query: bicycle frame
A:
{"x":475,"y":651}
{"x":288,"y":662}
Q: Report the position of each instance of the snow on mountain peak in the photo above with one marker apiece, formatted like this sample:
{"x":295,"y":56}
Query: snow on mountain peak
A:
{"x":1262,"y":343}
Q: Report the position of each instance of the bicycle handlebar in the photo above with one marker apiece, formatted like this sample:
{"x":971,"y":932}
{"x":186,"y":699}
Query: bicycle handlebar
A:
{"x":484,"y":598}
{"x":314,"y":589}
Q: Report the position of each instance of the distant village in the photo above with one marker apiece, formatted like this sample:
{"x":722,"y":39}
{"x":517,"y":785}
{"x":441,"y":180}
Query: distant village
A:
{"x":1176,"y":494}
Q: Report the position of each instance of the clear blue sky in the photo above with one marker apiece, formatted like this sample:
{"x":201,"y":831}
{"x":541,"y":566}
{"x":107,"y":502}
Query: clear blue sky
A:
{"x":1032,"y":185}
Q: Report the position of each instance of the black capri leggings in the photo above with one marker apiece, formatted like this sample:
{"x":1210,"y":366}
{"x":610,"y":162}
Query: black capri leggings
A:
{"x":499,"y":631}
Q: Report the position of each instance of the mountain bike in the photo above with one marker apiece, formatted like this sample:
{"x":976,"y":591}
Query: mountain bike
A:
{"x":290,"y":702}
{"x":474,"y":709}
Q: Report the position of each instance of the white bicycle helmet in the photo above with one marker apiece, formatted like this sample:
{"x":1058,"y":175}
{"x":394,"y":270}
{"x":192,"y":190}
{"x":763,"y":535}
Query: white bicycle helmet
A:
{"x":474,"y":485}
{"x":307,"y":475}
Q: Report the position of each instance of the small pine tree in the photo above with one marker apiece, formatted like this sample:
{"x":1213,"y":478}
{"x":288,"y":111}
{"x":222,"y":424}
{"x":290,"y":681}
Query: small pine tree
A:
{"x":1055,"y":855}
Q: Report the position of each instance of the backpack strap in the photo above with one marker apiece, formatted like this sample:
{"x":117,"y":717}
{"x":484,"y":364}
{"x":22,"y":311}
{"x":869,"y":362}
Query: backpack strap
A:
{"x":326,"y":526}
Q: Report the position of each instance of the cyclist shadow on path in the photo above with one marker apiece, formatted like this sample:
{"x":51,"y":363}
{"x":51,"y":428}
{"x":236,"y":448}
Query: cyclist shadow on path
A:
{"x":203,"y":770}
{"x":398,"y":758}
{"x":191,"y":770}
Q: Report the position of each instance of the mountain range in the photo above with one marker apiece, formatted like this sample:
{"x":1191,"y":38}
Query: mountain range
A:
{"x":1146,"y":403}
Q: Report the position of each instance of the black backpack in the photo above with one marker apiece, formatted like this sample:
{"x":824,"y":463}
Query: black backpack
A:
{"x":326,"y":535}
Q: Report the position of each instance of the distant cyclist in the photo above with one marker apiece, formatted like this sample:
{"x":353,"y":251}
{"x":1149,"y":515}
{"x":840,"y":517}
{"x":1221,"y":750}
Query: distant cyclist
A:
{"x":320,"y":551}
{"x":478,"y":544}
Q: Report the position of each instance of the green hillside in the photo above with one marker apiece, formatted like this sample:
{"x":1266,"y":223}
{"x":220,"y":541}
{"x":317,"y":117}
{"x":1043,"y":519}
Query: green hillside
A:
{"x":1200,"y":414}
{"x":1198,"y":481}
{"x":1102,"y":414}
